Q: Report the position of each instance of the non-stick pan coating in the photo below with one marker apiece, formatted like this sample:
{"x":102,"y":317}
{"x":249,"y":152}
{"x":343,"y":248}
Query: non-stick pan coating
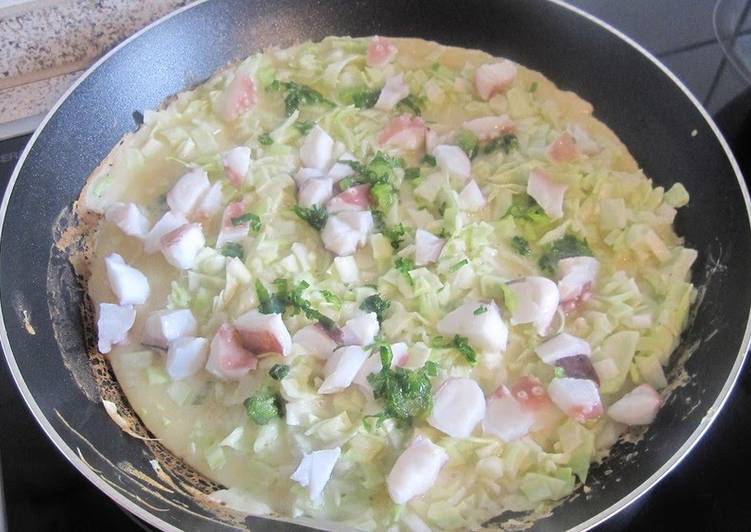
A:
{"x":664,"y":129}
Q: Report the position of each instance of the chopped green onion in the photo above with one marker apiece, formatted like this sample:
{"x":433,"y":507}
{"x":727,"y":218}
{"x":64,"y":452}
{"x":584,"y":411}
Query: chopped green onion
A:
{"x":263,"y":407}
{"x":384,"y":196}
{"x":233,"y":249}
{"x":303,"y":126}
{"x":248,"y":217}
{"x":407,"y":394}
{"x":298,"y":94}
{"x":458,"y":266}
{"x":525,"y":208}
{"x":461,"y":343}
{"x":411,"y":173}
{"x":468,"y":142}
{"x":568,"y":246}
{"x":410,"y":103}
{"x":375,"y":303}
{"x":404,"y":265}
{"x":428,"y":160}
{"x":520,"y":246}
{"x":332,"y":298}
{"x":279,"y":371}
{"x":506,"y":143}
{"x":316,"y":216}
{"x":365,"y":99}
{"x":269,"y":304}
{"x":395,"y":235}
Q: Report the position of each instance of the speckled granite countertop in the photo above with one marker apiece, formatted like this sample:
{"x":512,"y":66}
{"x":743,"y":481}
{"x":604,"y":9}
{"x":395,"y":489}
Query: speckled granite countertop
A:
{"x":46,"y":45}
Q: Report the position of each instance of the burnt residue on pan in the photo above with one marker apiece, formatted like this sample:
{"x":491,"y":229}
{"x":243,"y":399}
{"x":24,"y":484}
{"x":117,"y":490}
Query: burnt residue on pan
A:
{"x":65,"y":286}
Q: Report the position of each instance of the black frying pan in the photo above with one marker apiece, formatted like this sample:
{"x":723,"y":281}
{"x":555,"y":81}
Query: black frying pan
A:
{"x":665,"y":128}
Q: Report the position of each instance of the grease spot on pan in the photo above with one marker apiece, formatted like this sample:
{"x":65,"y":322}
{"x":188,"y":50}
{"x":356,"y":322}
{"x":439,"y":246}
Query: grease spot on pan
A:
{"x":22,"y":312}
{"x":27,"y":322}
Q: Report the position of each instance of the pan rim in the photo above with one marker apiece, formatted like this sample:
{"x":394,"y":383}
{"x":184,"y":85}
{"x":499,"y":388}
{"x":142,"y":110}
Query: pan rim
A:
{"x":642,"y":489}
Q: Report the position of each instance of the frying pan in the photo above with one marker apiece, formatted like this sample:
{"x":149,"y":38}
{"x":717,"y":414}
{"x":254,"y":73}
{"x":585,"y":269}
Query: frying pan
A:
{"x":648,"y":108}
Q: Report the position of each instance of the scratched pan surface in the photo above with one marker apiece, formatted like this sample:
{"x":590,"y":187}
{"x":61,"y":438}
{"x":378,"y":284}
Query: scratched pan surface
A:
{"x":647,"y":108}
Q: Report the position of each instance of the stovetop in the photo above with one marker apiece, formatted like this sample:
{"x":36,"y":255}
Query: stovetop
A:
{"x":709,"y":491}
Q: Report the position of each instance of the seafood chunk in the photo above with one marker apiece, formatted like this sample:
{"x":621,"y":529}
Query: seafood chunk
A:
{"x":406,"y":132}
{"x":637,"y":407}
{"x":561,"y":346}
{"x":129,"y":285}
{"x":316,"y":149}
{"x":546,"y":192}
{"x":494,"y":78}
{"x":346,"y":231}
{"x":169,"y":222}
{"x":416,"y":470}
{"x":428,"y":247}
{"x":453,"y":161}
{"x":361,"y":329}
{"x":186,"y":356}
{"x":535,"y":301}
{"x":341,"y":368}
{"x":162,"y":327}
{"x":129,"y":218}
{"x":228,"y":359}
{"x":471,"y":198}
{"x":380,"y":52}
{"x":236,"y":164}
{"x":263,"y":333}
{"x":485,"y":330}
{"x":392,"y":93}
{"x":315,"y":341}
{"x":489,"y":127}
{"x":315,"y":470}
{"x":180,"y":246}
{"x":458,"y":406}
{"x":356,"y":198}
{"x":239,"y":96}
{"x":113,"y":325}
{"x":577,"y":398}
{"x":506,"y":417}
{"x":185,"y":194}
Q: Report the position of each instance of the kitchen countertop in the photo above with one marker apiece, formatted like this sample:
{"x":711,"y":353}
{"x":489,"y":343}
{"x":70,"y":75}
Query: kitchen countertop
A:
{"x":46,"y":45}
